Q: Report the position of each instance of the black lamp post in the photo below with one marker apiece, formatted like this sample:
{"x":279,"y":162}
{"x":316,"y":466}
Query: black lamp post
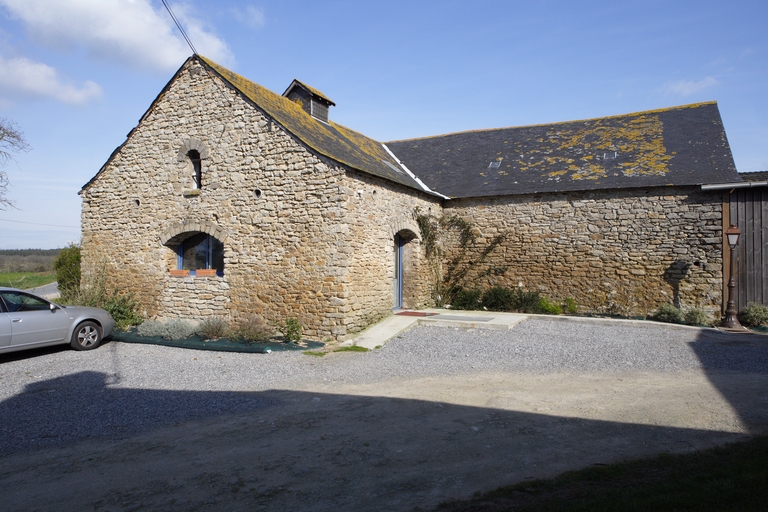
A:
{"x":731,"y":320}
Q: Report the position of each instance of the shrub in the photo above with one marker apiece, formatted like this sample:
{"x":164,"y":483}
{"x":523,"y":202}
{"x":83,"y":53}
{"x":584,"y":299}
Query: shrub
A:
{"x":466,"y":300}
{"x":696,"y":316}
{"x":570,"y":306}
{"x":179,"y":329}
{"x":251,"y":329}
{"x":93,"y":293}
{"x":527,"y":302}
{"x":122,"y":309}
{"x":151,"y":328}
{"x":668,"y":313}
{"x":498,"y":298}
{"x":213,"y":328}
{"x":549,"y":307}
{"x":67,"y":267}
{"x":290,"y":329}
{"x":173,"y":329}
{"x":754,"y":315}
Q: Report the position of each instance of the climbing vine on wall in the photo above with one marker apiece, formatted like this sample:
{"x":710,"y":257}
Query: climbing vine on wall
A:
{"x":452,"y":252}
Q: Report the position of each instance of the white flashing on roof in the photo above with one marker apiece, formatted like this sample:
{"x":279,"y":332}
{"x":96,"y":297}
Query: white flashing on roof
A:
{"x":413,"y":176}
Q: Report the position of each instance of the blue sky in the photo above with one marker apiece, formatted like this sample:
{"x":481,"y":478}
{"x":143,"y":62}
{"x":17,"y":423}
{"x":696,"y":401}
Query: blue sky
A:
{"x":76,"y":75}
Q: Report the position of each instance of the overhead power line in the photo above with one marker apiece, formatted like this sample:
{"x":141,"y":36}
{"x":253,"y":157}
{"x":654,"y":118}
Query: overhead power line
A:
{"x":38,"y":224}
{"x":176,"y":21}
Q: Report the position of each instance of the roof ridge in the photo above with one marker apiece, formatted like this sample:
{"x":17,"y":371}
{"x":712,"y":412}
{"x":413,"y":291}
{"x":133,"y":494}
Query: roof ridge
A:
{"x":536,"y":125}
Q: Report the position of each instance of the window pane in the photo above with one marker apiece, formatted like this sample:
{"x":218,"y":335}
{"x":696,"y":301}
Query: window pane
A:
{"x":195,"y":249}
{"x":217,"y":255}
{"x":202,"y":251}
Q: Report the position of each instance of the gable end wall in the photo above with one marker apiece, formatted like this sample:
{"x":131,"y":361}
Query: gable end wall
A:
{"x":283,"y":253}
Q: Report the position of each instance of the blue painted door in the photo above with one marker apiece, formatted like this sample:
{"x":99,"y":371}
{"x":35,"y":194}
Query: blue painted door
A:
{"x":398,"y":286}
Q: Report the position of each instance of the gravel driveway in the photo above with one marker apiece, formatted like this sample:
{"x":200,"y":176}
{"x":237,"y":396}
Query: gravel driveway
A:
{"x":436,"y":413}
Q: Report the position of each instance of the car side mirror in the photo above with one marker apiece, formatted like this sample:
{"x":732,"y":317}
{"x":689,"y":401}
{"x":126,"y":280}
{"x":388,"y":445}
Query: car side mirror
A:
{"x":53,"y":306}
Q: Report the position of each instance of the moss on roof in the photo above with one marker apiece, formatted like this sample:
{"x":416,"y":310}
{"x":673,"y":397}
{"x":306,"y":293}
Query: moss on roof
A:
{"x":331,"y":140}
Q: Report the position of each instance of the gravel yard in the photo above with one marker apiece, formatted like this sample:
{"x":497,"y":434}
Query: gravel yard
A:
{"x":433,"y":414}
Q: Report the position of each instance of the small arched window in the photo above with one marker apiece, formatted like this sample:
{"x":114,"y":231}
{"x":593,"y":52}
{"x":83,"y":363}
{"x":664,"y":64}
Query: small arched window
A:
{"x":194,"y":157}
{"x":201,"y":251}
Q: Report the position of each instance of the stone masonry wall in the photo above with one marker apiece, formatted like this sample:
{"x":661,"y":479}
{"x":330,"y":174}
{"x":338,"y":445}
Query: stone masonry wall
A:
{"x":299,"y":240}
{"x":622,"y":252}
{"x":376,"y":211}
{"x":273,"y":204}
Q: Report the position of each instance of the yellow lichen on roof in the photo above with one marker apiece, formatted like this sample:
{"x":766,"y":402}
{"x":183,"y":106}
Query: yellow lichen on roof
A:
{"x":638,"y":143}
{"x":330,"y":139}
{"x":555,"y":124}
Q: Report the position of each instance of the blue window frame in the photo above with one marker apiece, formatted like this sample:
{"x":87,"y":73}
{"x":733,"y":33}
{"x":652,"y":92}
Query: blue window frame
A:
{"x":201,"y":251}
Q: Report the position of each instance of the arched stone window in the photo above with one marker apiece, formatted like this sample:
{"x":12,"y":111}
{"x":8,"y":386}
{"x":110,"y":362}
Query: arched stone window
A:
{"x":201,"y":251}
{"x":192,"y":153}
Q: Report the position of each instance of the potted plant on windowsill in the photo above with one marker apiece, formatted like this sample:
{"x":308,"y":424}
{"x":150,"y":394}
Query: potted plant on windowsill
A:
{"x":205,"y":272}
{"x":179,"y":273}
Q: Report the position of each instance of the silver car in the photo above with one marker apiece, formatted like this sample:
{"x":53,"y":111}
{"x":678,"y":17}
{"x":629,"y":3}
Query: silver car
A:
{"x":29,"y":321}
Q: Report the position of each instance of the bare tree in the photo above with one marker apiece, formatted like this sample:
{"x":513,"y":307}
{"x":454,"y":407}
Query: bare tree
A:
{"x":11,"y":141}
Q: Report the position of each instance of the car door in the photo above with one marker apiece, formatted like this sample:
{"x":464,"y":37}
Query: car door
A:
{"x":32,"y":320}
{"x":5,"y":327}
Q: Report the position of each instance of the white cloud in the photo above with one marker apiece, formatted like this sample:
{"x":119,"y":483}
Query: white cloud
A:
{"x":688,"y":87}
{"x":251,"y":16}
{"x":128,"y":31}
{"x":20,"y":77}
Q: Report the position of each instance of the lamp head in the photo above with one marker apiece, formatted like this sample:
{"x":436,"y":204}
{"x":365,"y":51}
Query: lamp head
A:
{"x":733,"y":234}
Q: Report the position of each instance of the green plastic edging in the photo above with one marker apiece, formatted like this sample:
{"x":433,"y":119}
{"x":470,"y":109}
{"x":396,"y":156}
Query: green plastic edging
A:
{"x":221,"y":345}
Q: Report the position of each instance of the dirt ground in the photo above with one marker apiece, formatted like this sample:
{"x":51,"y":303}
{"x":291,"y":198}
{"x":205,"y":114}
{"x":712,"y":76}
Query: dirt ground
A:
{"x":400,"y":444}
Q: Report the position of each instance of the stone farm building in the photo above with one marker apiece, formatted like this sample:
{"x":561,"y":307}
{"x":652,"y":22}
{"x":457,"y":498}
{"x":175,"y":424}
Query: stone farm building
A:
{"x":278,"y":211}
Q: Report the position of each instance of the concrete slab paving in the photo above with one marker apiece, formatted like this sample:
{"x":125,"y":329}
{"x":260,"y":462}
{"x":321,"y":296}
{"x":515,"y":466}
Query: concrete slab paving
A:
{"x":380,"y":333}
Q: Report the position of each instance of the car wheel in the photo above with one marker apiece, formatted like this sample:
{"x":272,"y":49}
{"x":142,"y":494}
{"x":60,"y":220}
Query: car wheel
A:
{"x":86,"y":336}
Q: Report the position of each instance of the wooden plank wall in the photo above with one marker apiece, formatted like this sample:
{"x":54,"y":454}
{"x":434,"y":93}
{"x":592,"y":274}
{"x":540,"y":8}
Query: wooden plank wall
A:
{"x":749,"y":211}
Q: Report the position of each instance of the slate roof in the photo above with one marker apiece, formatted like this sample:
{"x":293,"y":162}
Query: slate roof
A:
{"x":332,"y":140}
{"x":754,"y":176}
{"x":677,"y":146}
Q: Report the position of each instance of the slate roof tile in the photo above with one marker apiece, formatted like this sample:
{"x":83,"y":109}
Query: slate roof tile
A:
{"x":678,"y":146}
{"x":754,"y":176}
{"x":332,"y":140}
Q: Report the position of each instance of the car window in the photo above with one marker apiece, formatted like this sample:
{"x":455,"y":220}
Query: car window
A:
{"x":17,"y":301}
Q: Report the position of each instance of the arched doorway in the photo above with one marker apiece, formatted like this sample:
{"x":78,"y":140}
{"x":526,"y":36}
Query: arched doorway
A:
{"x":402,"y":268}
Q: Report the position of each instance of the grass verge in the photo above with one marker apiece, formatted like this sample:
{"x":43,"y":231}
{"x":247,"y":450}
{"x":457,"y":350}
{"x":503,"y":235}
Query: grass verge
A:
{"x":353,"y":348}
{"x":316,"y":353}
{"x":26,"y":280}
{"x":731,"y":477}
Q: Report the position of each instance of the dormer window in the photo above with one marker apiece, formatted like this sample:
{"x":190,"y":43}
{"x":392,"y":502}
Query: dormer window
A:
{"x":311,"y":100}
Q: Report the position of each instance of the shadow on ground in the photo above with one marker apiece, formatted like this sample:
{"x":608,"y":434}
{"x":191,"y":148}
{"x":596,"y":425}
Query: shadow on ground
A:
{"x":119,"y":449}
{"x":736,"y":365}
